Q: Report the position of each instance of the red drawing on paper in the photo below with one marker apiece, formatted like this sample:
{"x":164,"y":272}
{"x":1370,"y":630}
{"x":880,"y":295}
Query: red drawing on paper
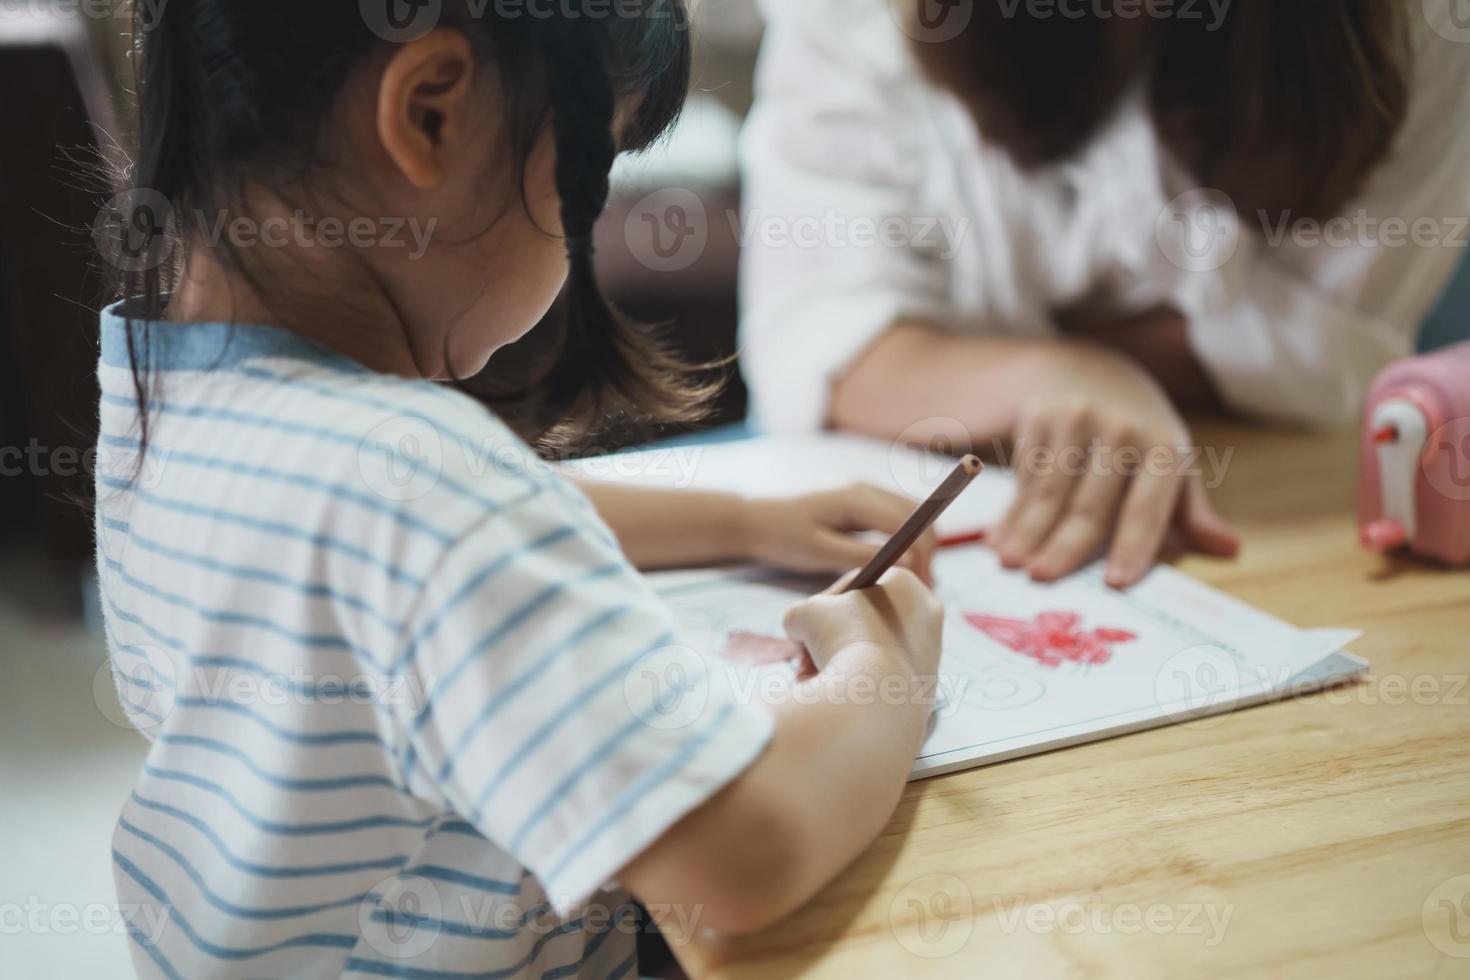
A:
{"x":758,"y":650}
{"x":1053,"y":639}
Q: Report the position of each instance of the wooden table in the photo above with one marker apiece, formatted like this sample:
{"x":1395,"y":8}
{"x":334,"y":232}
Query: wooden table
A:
{"x":1323,"y":837}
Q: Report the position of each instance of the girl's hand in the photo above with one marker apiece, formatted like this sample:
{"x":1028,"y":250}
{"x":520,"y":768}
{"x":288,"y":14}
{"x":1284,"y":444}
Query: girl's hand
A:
{"x":900,"y":619}
{"x":1099,"y":466}
{"x":822,"y":532}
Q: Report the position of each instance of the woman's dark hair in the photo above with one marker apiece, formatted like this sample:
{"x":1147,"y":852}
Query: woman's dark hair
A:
{"x":1283,"y":105}
{"x":234,"y":94}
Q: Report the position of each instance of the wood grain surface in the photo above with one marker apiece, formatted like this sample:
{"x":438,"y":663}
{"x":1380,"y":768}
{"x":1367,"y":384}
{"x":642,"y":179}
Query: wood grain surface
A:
{"x":1327,"y":836}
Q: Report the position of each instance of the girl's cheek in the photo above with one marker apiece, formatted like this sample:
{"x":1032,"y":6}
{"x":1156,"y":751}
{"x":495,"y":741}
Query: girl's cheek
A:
{"x":551,"y":266}
{"x":543,"y":272}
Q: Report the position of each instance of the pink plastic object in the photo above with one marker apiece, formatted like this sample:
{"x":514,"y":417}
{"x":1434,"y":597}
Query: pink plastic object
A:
{"x":1414,"y":491}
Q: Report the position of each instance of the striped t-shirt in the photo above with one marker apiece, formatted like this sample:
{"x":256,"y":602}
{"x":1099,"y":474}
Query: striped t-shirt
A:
{"x":410,"y":708}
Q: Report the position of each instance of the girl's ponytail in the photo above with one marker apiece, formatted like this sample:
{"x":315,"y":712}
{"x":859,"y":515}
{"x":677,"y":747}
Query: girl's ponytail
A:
{"x":608,"y":366}
{"x":155,"y":183}
{"x":233,"y":95}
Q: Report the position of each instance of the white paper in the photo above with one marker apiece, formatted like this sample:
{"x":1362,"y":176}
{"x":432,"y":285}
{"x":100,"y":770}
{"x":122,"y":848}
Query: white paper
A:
{"x":1026,"y":667}
{"x":1180,"y":651}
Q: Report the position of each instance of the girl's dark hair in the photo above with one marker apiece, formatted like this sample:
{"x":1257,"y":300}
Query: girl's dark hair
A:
{"x":234,"y":94}
{"x":1283,"y":105}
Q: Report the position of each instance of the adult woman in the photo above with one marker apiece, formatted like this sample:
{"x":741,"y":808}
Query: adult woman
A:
{"x":1093,"y":217}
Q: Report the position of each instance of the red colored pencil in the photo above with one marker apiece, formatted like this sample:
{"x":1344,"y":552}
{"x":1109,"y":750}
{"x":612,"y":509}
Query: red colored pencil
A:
{"x":960,"y":540}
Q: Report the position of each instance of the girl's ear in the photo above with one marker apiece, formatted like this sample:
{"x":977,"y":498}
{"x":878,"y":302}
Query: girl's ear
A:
{"x":424,"y":103}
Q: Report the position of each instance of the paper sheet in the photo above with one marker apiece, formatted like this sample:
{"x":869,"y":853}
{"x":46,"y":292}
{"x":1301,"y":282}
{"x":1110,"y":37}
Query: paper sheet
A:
{"x":1030,"y":667}
{"x":1026,"y":667}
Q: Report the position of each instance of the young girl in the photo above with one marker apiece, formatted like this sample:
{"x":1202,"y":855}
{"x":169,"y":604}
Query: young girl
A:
{"x":413,"y":713}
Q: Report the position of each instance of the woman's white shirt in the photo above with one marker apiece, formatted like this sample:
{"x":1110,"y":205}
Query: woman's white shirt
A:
{"x":871,"y":197}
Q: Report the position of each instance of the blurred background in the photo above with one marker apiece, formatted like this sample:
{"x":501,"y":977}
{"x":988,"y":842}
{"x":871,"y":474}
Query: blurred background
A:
{"x":67,"y":758}
{"x":668,"y":250}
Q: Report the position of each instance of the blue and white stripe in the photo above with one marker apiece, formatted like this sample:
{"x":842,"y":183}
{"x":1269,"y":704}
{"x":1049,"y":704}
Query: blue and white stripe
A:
{"x":393,"y":734}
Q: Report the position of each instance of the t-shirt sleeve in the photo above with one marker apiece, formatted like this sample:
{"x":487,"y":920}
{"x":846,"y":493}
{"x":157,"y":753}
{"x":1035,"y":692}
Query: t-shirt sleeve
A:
{"x":836,"y":249}
{"x":561,"y":715}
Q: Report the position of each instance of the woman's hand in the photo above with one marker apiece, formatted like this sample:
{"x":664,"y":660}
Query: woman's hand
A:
{"x":823,"y":532}
{"x":1099,"y":466}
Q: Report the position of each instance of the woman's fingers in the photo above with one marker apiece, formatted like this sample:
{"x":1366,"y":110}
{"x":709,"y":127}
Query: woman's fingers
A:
{"x":1136,"y":513}
{"x":1024,"y":533}
{"x":1202,"y":525}
{"x":1147,"y":513}
{"x":1026,"y":438}
{"x":1040,"y":498}
{"x":1085,"y":527}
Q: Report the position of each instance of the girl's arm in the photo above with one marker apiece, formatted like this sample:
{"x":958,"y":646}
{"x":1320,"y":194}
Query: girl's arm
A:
{"x":671,"y":528}
{"x":830,"y":777}
{"x":820,"y":532}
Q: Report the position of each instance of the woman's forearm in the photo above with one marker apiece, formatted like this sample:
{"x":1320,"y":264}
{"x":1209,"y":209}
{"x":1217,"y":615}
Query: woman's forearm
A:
{"x":1158,"y":340}
{"x":919,"y":382}
{"x":671,"y":528}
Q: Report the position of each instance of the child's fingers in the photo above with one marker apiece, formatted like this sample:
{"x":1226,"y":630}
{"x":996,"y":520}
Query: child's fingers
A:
{"x":837,"y":551}
{"x":870,"y":508}
{"x":797,"y":622}
{"x":836,"y":587}
{"x":816,"y":623}
{"x":920,"y":558}
{"x":875,"y":509}
{"x":806,"y":668}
